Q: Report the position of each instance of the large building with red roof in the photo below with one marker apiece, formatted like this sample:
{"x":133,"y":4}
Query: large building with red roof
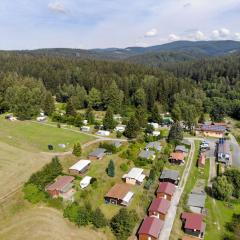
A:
{"x":166,"y":190}
{"x":193,"y":224}
{"x":159,"y":208}
{"x":62,"y":187}
{"x":150,"y":228}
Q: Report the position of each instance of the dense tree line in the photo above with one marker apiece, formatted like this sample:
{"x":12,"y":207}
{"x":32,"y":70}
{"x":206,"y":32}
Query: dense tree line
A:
{"x":187,"y":89}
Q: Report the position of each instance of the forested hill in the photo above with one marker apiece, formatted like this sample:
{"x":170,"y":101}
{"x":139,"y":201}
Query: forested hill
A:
{"x":175,"y":51}
{"x":186,"y":89}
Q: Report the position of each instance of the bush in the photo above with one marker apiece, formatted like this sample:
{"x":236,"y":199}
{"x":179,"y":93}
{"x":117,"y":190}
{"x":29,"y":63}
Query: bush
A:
{"x":124,"y":167}
{"x":77,"y":150}
{"x":119,"y":134}
{"x":123,"y":222}
{"x":148,"y":184}
{"x":45,"y":176}
{"x":98,"y":219}
{"x":221,"y":188}
{"x":109,"y":147}
{"x":33,"y":194}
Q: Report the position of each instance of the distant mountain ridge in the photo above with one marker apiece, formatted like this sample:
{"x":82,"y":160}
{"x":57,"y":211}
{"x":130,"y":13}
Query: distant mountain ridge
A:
{"x":174,"y":51}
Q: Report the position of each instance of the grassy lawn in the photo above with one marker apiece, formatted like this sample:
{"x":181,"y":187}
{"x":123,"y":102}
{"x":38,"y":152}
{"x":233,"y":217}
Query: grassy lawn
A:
{"x":36,"y":137}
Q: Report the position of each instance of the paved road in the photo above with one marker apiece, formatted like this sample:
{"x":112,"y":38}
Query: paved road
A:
{"x":168,"y":223}
{"x":235,"y":152}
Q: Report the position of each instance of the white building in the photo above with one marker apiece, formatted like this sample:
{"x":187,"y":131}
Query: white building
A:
{"x":41,"y":119}
{"x":120,"y":128}
{"x":80,"y":167}
{"x":135,"y":176}
{"x":85,"y":182}
{"x":85,"y":128}
{"x":103,"y":133}
{"x":156,"y":133}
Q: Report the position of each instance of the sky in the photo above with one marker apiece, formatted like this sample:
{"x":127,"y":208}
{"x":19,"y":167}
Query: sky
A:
{"x":33,"y":24}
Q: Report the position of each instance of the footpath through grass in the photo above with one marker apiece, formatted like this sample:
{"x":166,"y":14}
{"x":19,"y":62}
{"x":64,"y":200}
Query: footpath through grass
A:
{"x":36,"y":137}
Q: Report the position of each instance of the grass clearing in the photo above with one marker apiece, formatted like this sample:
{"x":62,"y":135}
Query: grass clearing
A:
{"x":33,"y":136}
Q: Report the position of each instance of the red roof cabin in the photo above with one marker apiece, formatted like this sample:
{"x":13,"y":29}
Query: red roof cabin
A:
{"x":177,"y":158}
{"x":150,"y":228}
{"x":201,"y":161}
{"x":62,"y":187}
{"x":159,"y":208}
{"x":193,"y":224}
{"x":166,"y":190}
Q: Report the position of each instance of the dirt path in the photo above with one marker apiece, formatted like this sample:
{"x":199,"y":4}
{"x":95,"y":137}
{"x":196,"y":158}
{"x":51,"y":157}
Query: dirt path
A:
{"x":167,"y":227}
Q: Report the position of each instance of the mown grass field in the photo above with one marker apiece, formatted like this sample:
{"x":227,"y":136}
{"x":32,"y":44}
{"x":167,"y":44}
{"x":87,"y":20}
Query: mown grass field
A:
{"x":19,"y":220}
{"x":23,"y":147}
{"x":33,"y":136}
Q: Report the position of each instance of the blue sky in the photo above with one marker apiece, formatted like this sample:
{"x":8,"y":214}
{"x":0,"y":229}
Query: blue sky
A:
{"x":31,"y":24}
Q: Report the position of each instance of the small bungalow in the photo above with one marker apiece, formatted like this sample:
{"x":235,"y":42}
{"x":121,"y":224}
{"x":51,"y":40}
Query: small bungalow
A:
{"x":171,"y":176}
{"x":103,"y":133}
{"x":41,"y":118}
{"x":196,"y":202}
{"x":150,"y":228}
{"x":85,"y":182}
{"x":97,"y":154}
{"x":147,"y":154}
{"x":193,"y":224}
{"x":119,"y":194}
{"x":85,"y":128}
{"x":211,"y":130}
{"x":223,"y":151}
{"x":80,"y":167}
{"x":154,"y":146}
{"x":177,"y":158}
{"x":120,"y":128}
{"x":201,"y":160}
{"x":166,"y":190}
{"x":159,"y":208}
{"x":181,"y":148}
{"x":62,"y":187}
{"x":135,"y":176}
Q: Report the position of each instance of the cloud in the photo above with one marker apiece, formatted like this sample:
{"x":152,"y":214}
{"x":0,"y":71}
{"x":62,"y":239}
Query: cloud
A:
{"x":57,"y":7}
{"x":237,"y":36}
{"x":151,"y":33}
{"x":199,"y":36}
{"x":222,"y":33}
{"x":173,"y":37}
{"x":187,"y":5}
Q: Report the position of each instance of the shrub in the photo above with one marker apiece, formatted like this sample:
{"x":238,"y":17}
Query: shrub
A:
{"x":33,"y":194}
{"x":124,"y":167}
{"x":123,"y":222}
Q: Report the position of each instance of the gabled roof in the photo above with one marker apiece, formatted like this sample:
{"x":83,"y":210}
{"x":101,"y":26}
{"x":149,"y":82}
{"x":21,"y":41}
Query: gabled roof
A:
{"x":201,"y":159}
{"x":193,"y":221}
{"x":151,"y":226}
{"x":134,"y":173}
{"x":178,"y":156}
{"x":119,"y":191}
{"x":146,"y":154}
{"x":154,"y":145}
{"x":80,"y":165}
{"x":212,"y":128}
{"x":223,"y":146}
{"x":60,"y":183}
{"x":159,"y":205}
{"x":99,"y":152}
{"x":196,"y":200}
{"x":181,"y":148}
{"x":170,"y":174}
{"x":167,"y":188}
